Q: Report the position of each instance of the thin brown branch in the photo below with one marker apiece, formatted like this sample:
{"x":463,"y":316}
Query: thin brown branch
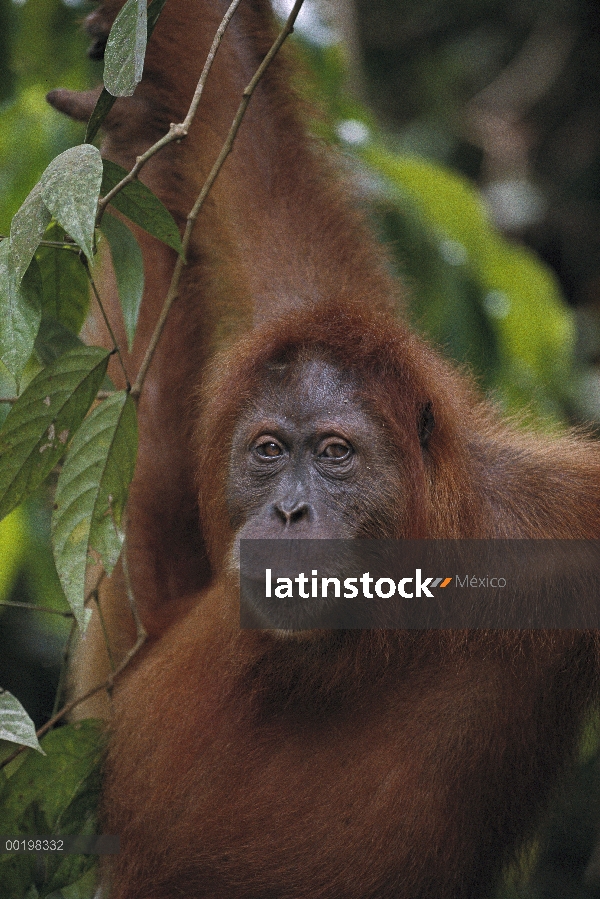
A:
{"x":10,"y":758}
{"x":36,"y":608}
{"x":66,"y":244}
{"x":94,"y":596}
{"x":108,"y":325}
{"x":101,"y":395}
{"x":105,"y":685}
{"x":176,"y":131}
{"x":61,"y":244}
{"x":139,"y":627}
{"x":185,"y":125}
{"x":212,"y":177}
{"x":70,"y":706}
{"x":66,"y":709}
{"x":105,"y":633}
{"x":64,"y":667}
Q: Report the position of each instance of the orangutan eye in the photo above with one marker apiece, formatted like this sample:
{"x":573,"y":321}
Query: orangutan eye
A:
{"x":268,"y":449}
{"x":336,"y":450}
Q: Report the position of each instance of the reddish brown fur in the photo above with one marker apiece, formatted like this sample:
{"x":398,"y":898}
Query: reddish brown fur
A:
{"x":355,"y":764}
{"x":345,"y":765}
{"x":365,"y":765}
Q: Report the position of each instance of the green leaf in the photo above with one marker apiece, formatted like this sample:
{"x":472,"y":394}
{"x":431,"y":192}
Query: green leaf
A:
{"x":17,"y":873}
{"x":154,"y":10}
{"x":73,"y":754}
{"x":15,"y":724}
{"x":26,"y":230}
{"x":104,"y":104}
{"x":66,"y":289}
{"x":20,"y":313}
{"x":83,"y":888}
{"x":70,"y":188}
{"x":125,"y":49}
{"x":81,"y":819}
{"x":128,"y":264}
{"x":106,"y":101}
{"x":41,"y":424}
{"x":138,"y":203}
{"x":91,"y":494}
{"x":56,"y":794}
{"x":53,"y":340}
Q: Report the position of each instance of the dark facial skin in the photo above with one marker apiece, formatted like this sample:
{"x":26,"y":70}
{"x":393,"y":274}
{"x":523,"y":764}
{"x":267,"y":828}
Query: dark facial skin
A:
{"x":309,"y":461}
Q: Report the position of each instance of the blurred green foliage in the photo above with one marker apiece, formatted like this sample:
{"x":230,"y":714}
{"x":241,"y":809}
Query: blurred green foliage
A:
{"x":488,"y":302}
{"x":41,"y":47}
{"x":12,"y":544}
{"x":508,"y":93}
{"x":72,"y":764}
